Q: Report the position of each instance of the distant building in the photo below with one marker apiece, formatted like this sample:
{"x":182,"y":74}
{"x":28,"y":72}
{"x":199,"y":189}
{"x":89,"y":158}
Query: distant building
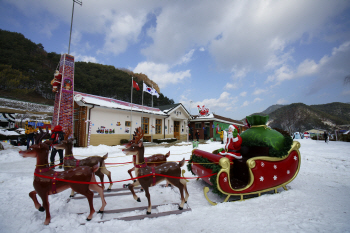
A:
{"x":211,"y":125}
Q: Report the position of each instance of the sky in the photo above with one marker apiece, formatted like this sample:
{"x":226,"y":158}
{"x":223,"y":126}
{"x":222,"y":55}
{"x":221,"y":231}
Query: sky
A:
{"x":236,"y":57}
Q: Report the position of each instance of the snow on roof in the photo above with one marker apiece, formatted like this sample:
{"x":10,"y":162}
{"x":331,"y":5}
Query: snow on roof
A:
{"x":113,"y":103}
{"x":8,"y":133}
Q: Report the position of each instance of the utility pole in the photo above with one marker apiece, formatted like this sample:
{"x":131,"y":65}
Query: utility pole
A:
{"x":71,"y":22}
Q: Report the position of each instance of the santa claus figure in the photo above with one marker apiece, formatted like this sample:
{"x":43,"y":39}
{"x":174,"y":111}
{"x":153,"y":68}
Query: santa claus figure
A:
{"x":56,"y":81}
{"x":232,"y":144}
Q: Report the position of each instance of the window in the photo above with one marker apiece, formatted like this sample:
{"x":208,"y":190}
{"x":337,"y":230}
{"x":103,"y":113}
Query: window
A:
{"x":145,"y":125}
{"x":198,"y":125}
{"x":158,"y":126}
{"x":128,"y":123}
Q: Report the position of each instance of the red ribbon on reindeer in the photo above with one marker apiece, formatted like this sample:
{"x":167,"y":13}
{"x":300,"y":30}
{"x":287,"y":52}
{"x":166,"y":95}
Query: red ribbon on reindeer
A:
{"x":156,"y":174}
{"x":53,"y":186}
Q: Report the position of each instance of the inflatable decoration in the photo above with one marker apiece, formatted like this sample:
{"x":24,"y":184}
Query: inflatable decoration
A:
{"x":169,"y":171}
{"x":258,"y":171}
{"x":56,"y":81}
{"x":203,"y":111}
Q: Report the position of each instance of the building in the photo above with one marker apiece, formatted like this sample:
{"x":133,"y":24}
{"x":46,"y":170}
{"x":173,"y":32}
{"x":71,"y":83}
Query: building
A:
{"x":176,"y":124}
{"x":100,"y":120}
{"x":209,"y":126}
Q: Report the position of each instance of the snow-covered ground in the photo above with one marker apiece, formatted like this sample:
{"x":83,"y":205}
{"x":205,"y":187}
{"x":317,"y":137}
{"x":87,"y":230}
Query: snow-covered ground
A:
{"x":317,"y":200}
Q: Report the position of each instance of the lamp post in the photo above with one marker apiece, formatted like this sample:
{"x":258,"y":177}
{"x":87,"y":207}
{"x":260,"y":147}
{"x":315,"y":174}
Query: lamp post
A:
{"x":71,"y":22}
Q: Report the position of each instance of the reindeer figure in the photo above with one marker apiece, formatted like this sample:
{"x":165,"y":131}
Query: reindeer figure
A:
{"x":71,"y":162}
{"x":170,"y":169}
{"x":151,"y":161}
{"x":45,"y":186}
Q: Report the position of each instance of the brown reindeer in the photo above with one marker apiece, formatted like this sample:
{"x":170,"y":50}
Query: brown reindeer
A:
{"x":45,"y":186}
{"x":151,"y":161}
{"x":71,"y":162}
{"x":169,"y":169}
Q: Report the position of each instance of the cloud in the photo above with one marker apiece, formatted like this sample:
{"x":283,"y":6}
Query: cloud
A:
{"x":245,"y":103}
{"x":186,"y":58}
{"x":243,"y":94}
{"x":161,"y":74}
{"x":328,"y":70}
{"x":257,"y":100}
{"x":231,"y":86}
{"x":225,"y":102}
{"x":259,"y":91}
{"x":281,"y":101}
{"x":124,"y":30}
{"x":84,"y":58}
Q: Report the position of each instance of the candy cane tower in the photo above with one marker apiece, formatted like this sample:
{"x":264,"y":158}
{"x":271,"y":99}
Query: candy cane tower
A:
{"x":64,"y":104}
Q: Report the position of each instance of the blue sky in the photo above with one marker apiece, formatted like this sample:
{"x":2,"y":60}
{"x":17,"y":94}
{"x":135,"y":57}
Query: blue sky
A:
{"x":234,"y":57}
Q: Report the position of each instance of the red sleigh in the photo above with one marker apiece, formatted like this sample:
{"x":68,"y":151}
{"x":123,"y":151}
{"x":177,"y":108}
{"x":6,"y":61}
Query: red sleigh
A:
{"x":255,"y":173}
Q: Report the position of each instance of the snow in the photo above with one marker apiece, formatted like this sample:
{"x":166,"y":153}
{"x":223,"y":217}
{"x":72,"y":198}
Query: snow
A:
{"x":317,"y":200}
{"x":83,"y":98}
{"x":9,"y":132}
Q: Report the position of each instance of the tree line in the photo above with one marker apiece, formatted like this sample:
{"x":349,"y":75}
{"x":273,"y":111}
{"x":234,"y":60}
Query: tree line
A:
{"x":26,"y":70}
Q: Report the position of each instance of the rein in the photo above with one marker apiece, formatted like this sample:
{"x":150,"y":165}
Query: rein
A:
{"x":69,"y":157}
{"x":140,"y":165}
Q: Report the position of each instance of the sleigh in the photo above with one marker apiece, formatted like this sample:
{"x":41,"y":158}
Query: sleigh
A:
{"x":254,"y":174}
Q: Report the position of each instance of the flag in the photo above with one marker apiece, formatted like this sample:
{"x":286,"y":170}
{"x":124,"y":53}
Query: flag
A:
{"x":135,"y":85}
{"x":150,"y":90}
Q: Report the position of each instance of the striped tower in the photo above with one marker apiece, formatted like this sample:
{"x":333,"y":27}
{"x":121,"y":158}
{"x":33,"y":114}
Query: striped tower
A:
{"x":64,"y":104}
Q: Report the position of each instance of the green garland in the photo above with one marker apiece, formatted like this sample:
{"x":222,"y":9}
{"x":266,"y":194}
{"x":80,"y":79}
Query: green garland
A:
{"x":210,"y":165}
{"x":287,"y":144}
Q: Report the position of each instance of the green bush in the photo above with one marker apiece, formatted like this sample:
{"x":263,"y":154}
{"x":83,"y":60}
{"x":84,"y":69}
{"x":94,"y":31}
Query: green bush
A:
{"x":167,"y":140}
{"x":123,"y":141}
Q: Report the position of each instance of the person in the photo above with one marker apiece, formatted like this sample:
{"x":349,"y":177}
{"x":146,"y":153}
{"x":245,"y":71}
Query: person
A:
{"x":232,"y":144}
{"x":57,"y":136}
{"x":221,"y":133}
{"x":191,"y":133}
{"x":325,"y":135}
{"x":56,"y":81}
{"x":30,"y":135}
{"x":205,"y":133}
{"x":197,"y":135}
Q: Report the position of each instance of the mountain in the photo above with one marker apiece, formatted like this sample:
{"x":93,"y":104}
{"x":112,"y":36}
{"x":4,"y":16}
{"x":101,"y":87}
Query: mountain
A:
{"x":26,"y":71}
{"x":299,"y":117}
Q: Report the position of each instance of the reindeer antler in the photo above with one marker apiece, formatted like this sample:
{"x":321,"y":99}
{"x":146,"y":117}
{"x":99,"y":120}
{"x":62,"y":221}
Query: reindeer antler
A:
{"x":41,"y":135}
{"x":139,"y":134}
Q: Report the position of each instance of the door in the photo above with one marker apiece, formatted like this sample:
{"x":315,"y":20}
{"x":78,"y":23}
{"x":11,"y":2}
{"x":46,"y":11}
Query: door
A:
{"x":177,"y":130}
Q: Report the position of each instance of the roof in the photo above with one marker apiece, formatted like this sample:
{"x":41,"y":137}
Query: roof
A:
{"x":84,"y":99}
{"x":170,"y":107}
{"x":215,"y":117}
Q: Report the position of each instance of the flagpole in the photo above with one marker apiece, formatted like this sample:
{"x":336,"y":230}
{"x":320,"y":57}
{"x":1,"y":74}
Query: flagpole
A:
{"x":152,"y":116}
{"x":132,"y":86}
{"x":143,"y":83}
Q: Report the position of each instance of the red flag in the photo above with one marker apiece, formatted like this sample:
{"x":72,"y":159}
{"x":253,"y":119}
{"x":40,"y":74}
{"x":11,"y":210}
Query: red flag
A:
{"x":135,"y":85}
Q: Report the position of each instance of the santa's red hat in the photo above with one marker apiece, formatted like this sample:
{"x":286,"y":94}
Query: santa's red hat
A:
{"x":233,"y":127}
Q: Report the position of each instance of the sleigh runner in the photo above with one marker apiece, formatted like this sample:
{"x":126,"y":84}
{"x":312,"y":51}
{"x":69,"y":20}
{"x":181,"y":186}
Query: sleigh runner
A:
{"x":255,"y":173}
